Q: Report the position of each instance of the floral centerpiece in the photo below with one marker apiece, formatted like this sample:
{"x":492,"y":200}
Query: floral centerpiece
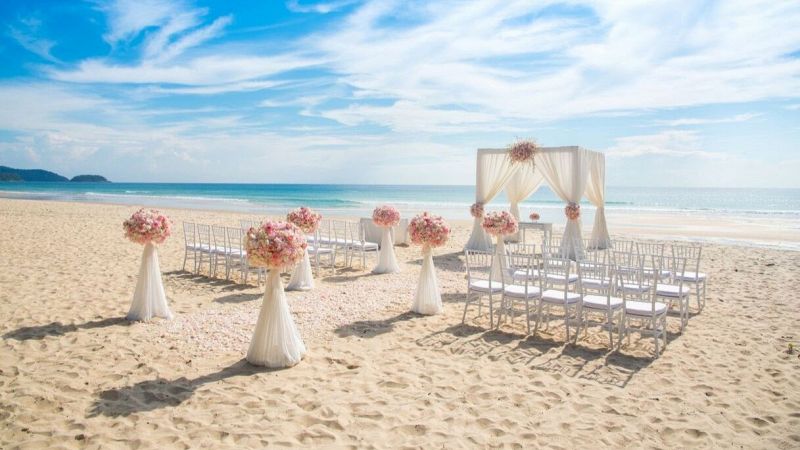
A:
{"x":534,"y":216}
{"x":386,"y":216}
{"x":522,"y":151}
{"x":428,"y":230}
{"x":500,"y":223}
{"x":572,"y":211}
{"x":147,"y":226}
{"x":476,"y":210}
{"x":304,"y":218}
{"x":276,"y":245}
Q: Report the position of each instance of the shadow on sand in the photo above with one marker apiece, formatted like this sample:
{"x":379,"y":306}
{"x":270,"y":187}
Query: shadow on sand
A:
{"x":59,"y":329}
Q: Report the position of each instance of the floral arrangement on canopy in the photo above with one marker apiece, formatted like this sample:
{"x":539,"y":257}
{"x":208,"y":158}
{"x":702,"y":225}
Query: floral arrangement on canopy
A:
{"x":276,"y":245}
{"x":522,"y":151}
{"x":305,"y":218}
{"x":147,"y":226}
{"x":500,"y":223}
{"x":534,"y":216}
{"x":386,"y":216}
{"x":572,"y":211}
{"x":428,"y":230}
{"x":476,"y":210}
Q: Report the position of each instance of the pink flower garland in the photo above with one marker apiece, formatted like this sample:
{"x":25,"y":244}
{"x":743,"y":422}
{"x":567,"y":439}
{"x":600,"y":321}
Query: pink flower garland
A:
{"x":476,"y":210}
{"x":572,"y":211}
{"x":386,"y":216}
{"x":522,"y":151}
{"x":305,"y":218}
{"x":146,"y":226}
{"x":428,"y":230}
{"x":276,"y":245}
{"x":500,"y":223}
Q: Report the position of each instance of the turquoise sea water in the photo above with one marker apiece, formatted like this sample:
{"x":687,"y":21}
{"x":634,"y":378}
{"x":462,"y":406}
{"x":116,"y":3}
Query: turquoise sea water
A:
{"x":450,"y":201}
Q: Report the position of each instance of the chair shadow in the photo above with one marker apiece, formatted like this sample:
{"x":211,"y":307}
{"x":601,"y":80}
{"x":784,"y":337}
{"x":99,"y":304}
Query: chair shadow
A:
{"x":346,"y":278}
{"x":238,"y":298}
{"x":373,"y":328}
{"x":150,"y":395}
{"x":59,"y":329}
{"x":455,"y":297}
{"x":449,"y":262}
{"x":227,"y":285}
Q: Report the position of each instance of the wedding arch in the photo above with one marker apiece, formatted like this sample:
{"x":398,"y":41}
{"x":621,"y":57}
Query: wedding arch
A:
{"x":571,"y":172}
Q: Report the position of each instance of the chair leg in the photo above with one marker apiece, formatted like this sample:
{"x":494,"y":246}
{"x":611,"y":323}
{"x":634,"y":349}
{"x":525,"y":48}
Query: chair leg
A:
{"x":528,"y":314}
{"x":185,"y":255}
{"x":538,"y":317}
{"x":655,"y":335}
{"x":466,"y":304}
{"x":566,"y":319}
{"x":610,"y":316}
{"x":491,"y":311}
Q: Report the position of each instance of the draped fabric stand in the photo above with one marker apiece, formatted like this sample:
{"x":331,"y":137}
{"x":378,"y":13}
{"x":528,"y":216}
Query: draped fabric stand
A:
{"x":149,"y":299}
{"x":499,"y":253}
{"x":427,"y":299}
{"x":303,"y":277}
{"x":571,"y":172}
{"x":276,"y":341}
{"x":387,"y":261}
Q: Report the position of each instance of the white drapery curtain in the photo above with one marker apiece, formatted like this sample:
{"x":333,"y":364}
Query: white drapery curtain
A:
{"x":494,"y":170}
{"x":566,"y":172}
{"x":522,"y":185}
{"x":596,"y":193}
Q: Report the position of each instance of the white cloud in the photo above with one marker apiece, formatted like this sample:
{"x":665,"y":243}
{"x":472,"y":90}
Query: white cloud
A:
{"x":319,"y":8}
{"x":706,"y":121}
{"x":673,"y":143}
{"x":26,"y":34}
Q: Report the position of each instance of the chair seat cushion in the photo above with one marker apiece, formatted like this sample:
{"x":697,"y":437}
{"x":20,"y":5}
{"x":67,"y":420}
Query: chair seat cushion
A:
{"x":554,"y":296}
{"x":364,"y":245}
{"x":601,"y":302}
{"x":516,"y":290}
{"x":573,"y":277}
{"x":644,"y":308}
{"x":521,"y":274}
{"x":630,"y":287}
{"x":672,"y":290}
{"x":594,"y":283}
{"x":691,"y":276}
{"x":483,"y":286}
{"x":318,"y":250}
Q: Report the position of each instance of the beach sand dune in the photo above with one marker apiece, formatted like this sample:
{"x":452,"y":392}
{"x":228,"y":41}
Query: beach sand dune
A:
{"x":74,"y":373}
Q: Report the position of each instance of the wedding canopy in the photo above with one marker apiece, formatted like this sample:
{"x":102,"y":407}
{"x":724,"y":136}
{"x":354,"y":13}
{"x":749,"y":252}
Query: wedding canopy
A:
{"x":571,"y":172}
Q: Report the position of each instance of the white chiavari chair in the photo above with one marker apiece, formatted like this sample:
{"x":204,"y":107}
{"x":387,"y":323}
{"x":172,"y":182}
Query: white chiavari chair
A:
{"x":358,"y":245}
{"x":600,"y":298}
{"x":524,"y":289}
{"x":556,"y":285}
{"x":205,"y":246}
{"x":674,"y":289}
{"x":190,"y":245}
{"x":480,"y":283}
{"x":643,"y":307}
{"x":692,"y":275}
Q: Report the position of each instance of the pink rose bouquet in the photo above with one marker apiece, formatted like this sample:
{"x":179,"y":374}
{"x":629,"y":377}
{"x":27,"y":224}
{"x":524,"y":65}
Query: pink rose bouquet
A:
{"x":572,"y":211}
{"x":428,"y":230}
{"x":276,"y":245}
{"x":500,"y":223}
{"x":386,"y":216}
{"x":305,"y":218}
{"x":522,"y":151}
{"x":476,"y":210}
{"x":146,"y":226}
{"x":534,"y":216}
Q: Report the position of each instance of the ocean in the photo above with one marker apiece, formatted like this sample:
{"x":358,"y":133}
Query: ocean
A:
{"x":451,"y":202}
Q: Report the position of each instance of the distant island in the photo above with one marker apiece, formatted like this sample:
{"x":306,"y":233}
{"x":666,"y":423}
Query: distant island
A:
{"x":10,"y":174}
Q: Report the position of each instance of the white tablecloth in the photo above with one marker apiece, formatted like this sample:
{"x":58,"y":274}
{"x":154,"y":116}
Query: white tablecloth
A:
{"x":372,"y":232}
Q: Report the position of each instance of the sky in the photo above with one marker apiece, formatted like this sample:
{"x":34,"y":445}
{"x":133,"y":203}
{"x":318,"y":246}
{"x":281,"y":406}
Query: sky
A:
{"x":675,"y":93}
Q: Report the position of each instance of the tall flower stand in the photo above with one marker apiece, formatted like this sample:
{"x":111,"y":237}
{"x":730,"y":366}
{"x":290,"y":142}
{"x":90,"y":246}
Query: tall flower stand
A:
{"x":276,"y":342}
{"x":302,"y":277}
{"x":499,"y":252}
{"x":149,"y":299}
{"x":387,"y":261}
{"x":427,"y":300}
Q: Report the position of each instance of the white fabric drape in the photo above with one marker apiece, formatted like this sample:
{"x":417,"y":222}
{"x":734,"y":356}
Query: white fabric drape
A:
{"x":276,"y":341}
{"x":596,"y":192}
{"x":522,"y":185}
{"x":497,"y":266}
{"x":427,"y":300}
{"x":302,"y":276}
{"x":493,"y":172}
{"x":149,"y":299}
{"x":387,"y":261}
{"x":566,"y":173}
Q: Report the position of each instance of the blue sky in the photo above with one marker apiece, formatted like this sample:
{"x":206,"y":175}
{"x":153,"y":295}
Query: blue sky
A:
{"x":676,"y":93}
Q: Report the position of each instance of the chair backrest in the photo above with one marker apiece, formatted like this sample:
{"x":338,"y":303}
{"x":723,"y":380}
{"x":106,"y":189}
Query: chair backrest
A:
{"x":676,"y":266}
{"x":520,"y":267}
{"x":553,"y":249}
{"x":219,"y":235}
{"x":204,"y":235}
{"x":340,"y":231}
{"x":356,"y":232}
{"x":556,"y":273}
{"x":245,"y":224}
{"x":189,"y":234}
{"x":235,"y":241}
{"x":479,"y":265}
{"x":691,"y":253}
{"x":632,"y":280}
{"x":521,"y":249}
{"x":601,"y":275}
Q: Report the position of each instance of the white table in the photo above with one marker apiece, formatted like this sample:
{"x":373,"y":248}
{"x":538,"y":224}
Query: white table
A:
{"x":547,"y":229}
{"x":372,"y":232}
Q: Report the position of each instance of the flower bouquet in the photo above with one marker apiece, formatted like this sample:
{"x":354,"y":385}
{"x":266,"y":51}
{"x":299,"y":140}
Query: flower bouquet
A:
{"x":534,"y":216}
{"x":308,"y":221}
{"x":386,"y":217}
{"x":499,"y":224}
{"x":476,"y":210}
{"x":572,"y":211}
{"x":276,"y":341}
{"x":428,"y":231}
{"x":148,"y":228}
{"x":522,"y":151}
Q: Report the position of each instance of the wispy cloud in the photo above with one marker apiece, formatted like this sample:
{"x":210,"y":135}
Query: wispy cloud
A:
{"x":707,"y":121}
{"x":671,"y":143}
{"x":26,"y":34}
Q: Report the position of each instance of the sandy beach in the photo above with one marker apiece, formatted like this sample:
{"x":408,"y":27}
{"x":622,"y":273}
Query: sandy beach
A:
{"x":75,"y":374}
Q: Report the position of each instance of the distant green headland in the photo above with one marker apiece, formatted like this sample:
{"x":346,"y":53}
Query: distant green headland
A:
{"x":11,"y":174}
